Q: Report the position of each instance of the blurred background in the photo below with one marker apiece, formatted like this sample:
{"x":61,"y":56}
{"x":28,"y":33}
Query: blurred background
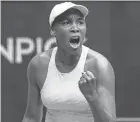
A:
{"x":113,"y":30}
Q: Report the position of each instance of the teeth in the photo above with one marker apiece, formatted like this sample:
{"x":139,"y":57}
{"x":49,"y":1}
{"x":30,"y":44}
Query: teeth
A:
{"x":75,"y":37}
{"x":74,"y":45}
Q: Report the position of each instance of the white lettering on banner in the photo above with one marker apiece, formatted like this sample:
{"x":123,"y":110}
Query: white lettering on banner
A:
{"x":39,"y":44}
{"x":9,"y":53}
{"x":21,"y":51}
{"x":49,"y":43}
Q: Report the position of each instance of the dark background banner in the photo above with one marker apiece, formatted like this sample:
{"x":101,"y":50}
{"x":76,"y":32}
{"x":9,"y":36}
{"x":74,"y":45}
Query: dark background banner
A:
{"x":113,"y":30}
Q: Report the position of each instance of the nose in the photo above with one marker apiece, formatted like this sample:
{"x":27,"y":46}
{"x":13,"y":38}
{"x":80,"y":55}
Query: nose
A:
{"x":74,"y":28}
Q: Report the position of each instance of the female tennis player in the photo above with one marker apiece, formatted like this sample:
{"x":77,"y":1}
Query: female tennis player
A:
{"x":74,"y":82}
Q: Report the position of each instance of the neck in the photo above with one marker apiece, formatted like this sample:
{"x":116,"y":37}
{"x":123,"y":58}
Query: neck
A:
{"x":67,"y":58}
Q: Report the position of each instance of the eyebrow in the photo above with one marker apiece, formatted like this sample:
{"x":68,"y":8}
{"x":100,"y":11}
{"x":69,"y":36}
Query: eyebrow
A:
{"x":79,"y":18}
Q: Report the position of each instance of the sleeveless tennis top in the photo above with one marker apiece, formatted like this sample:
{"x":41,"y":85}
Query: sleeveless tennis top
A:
{"x":61,"y":94}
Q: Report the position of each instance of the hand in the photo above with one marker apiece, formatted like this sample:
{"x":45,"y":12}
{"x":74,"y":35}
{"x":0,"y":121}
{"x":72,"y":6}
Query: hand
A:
{"x":87,"y":85}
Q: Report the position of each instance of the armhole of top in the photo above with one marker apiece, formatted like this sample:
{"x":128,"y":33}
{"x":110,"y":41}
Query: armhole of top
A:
{"x":51,"y":56}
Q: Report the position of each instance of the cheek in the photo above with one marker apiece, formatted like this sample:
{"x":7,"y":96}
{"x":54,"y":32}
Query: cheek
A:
{"x":62,"y":34}
{"x":62,"y":37}
{"x":84,"y":30}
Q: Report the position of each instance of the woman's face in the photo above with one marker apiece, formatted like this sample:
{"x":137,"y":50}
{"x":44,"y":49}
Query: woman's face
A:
{"x":70,"y":31}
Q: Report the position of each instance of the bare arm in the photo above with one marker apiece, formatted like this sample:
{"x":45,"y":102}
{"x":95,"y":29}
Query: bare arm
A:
{"x":103,"y":108}
{"x":99,"y":91}
{"x":34,"y":106}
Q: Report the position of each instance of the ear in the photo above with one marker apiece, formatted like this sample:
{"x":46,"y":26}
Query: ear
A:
{"x":85,"y":40}
{"x":52,"y":33}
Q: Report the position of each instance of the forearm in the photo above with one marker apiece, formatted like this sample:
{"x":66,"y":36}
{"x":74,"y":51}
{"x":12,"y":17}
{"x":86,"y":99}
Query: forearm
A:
{"x":99,"y":112}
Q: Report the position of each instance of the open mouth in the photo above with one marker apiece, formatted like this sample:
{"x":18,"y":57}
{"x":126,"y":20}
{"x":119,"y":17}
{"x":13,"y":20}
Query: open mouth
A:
{"x":75,"y":41}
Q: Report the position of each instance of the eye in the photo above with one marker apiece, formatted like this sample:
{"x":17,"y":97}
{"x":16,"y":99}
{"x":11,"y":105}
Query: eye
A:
{"x":81,"y":22}
{"x":65,"y":22}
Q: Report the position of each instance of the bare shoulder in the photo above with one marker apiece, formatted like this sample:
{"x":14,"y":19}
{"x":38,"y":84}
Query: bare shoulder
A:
{"x":98,"y":57}
{"x":38,"y":65}
{"x":40,"y":59}
{"x":99,"y":60}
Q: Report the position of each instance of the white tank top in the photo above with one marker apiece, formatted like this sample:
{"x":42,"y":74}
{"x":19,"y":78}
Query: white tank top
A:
{"x":61,"y":94}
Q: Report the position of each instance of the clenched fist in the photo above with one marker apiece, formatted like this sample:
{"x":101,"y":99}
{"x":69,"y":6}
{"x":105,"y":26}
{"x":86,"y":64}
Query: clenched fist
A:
{"x":87,"y":85}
